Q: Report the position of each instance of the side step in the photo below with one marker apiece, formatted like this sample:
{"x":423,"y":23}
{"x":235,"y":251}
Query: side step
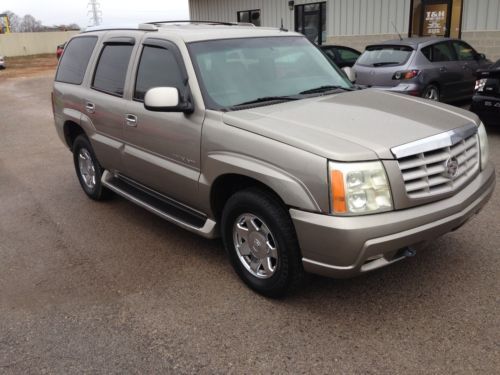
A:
{"x":160,"y":205}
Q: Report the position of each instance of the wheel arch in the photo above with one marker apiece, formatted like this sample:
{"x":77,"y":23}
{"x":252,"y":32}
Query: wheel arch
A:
{"x":227,"y":173}
{"x":71,"y":130}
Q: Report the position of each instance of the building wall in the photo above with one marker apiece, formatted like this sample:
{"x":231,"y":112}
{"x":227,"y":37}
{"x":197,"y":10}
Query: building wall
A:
{"x":357,"y":23}
{"x":22,"y":44}
{"x":344,"y":17}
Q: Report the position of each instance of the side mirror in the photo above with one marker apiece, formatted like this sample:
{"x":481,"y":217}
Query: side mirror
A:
{"x":480,"y":56}
{"x":350,"y":73}
{"x":166,"y":99}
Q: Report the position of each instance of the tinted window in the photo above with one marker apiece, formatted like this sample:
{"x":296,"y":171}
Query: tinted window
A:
{"x":464,"y":51}
{"x":157,"y":68}
{"x":439,"y":52}
{"x":496,"y":65}
{"x":330,"y":53}
{"x":347,"y":54}
{"x":75,"y":59}
{"x":112,"y":69}
{"x":385,"y":55}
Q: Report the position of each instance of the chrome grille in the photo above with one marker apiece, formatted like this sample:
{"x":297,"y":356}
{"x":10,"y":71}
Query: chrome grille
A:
{"x":428,"y":173}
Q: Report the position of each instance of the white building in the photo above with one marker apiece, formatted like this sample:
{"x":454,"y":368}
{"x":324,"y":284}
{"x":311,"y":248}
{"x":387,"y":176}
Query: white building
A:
{"x":357,"y":23}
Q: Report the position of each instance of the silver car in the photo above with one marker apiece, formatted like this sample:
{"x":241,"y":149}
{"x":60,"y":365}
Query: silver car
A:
{"x":440,"y":69}
{"x":251,"y":134}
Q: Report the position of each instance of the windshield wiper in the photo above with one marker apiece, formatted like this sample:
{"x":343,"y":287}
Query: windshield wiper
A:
{"x":386,"y":63}
{"x":266,"y":99}
{"x":324,"y":89}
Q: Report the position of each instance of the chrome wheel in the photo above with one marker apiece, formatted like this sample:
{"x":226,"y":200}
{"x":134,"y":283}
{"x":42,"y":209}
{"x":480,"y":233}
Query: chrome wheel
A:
{"x":87,"y":168}
{"x":432,"y":93}
{"x":255,"y":246}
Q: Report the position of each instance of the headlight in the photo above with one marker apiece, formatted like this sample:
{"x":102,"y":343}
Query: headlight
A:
{"x":483,"y":145}
{"x":359,"y":188}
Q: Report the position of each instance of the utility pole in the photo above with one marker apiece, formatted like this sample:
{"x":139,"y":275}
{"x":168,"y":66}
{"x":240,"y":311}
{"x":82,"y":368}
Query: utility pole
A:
{"x":94,"y":13}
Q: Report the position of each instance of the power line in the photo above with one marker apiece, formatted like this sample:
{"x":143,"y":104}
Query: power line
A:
{"x":94,"y":13}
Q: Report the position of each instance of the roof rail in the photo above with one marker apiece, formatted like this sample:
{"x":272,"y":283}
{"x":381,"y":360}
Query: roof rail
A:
{"x":159,"y":23}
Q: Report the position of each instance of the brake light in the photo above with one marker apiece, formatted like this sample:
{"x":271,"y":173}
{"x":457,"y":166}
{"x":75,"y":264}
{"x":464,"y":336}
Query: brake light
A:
{"x":405,"y":74}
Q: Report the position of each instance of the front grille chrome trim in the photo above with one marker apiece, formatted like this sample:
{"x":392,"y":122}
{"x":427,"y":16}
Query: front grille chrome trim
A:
{"x":434,"y":142}
{"x":425,"y":174}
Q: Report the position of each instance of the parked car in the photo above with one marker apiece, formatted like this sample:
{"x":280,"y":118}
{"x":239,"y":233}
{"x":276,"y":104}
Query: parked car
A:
{"x":226,"y":131}
{"x":486,"y":99}
{"x":2,"y":62}
{"x":440,"y":69}
{"x":60,"y":50}
{"x":340,"y":55}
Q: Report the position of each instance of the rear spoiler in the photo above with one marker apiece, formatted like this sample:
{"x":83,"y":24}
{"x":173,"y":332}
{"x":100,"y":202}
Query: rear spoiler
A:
{"x":401,"y":46}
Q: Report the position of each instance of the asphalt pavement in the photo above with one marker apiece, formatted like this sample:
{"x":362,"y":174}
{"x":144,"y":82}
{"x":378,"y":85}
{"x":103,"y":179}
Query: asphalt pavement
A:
{"x":88,"y":287}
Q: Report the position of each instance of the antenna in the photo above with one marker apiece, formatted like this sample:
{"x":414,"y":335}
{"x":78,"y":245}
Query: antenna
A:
{"x":94,"y":13}
{"x":395,"y":28}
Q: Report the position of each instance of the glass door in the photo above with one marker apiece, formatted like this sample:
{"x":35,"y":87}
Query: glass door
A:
{"x":310,"y":20}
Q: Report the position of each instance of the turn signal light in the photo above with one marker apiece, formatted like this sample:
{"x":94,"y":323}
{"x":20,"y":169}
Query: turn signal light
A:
{"x":405,"y":74}
{"x":338,"y":192}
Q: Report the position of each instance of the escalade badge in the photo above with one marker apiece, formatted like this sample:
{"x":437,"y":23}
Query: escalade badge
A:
{"x":451,"y":167}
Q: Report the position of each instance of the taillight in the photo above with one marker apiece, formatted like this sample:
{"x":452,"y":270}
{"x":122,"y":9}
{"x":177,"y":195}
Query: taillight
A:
{"x":405,"y":74}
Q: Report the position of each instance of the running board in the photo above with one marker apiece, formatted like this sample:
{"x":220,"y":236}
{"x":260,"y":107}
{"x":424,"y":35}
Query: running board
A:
{"x":160,"y":205}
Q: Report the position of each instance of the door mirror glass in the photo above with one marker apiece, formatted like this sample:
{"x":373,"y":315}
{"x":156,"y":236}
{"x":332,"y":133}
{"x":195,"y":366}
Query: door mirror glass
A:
{"x":350,"y":73}
{"x":162,"y":99}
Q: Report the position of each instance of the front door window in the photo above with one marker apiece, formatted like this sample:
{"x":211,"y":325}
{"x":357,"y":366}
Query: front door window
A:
{"x":310,"y":20}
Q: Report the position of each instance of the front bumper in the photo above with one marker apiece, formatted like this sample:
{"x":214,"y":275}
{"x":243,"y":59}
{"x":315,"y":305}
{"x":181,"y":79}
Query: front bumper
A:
{"x":487,"y":108}
{"x":343,"y":247}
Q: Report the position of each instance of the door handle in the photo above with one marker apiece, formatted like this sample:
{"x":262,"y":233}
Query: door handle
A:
{"x":90,"y":107}
{"x":443,"y":69}
{"x":131,"y":120}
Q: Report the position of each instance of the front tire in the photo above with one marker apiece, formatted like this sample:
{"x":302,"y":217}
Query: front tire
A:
{"x":260,"y":239}
{"x":88,"y":170}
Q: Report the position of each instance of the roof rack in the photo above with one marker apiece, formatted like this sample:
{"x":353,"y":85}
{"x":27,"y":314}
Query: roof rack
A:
{"x":215,"y":23}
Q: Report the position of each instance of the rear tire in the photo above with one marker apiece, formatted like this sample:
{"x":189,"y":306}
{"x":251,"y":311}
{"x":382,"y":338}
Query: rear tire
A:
{"x":88,"y":170}
{"x":260,"y":239}
{"x":431,"y":92}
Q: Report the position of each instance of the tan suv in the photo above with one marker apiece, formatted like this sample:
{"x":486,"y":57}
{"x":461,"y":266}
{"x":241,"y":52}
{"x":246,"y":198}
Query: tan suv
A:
{"x":251,"y":134}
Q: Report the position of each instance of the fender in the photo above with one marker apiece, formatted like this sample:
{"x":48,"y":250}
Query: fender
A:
{"x":291,"y":190}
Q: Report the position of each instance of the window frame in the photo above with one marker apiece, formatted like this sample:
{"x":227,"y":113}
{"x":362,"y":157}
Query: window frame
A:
{"x":88,"y":62}
{"x":115,"y":41}
{"x":169,"y":46}
{"x":250,"y":11}
{"x":352,"y":50}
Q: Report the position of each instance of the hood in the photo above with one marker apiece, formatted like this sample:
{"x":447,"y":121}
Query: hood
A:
{"x":357,"y":125}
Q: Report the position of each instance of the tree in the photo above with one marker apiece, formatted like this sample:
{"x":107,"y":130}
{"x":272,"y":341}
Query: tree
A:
{"x":30,"y":24}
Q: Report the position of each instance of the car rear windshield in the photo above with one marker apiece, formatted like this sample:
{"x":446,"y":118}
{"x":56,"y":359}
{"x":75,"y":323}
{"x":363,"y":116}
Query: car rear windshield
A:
{"x":379,"y":56}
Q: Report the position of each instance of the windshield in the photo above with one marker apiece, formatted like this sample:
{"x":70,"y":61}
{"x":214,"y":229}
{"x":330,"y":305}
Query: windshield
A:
{"x":385,"y":56}
{"x":236,"y":71}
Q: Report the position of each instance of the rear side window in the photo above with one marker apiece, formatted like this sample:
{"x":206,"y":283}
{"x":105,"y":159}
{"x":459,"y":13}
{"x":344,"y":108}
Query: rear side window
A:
{"x":439,"y":52}
{"x":111,"y":69}
{"x":157,"y":68}
{"x":385,"y":55}
{"x":75,"y":60}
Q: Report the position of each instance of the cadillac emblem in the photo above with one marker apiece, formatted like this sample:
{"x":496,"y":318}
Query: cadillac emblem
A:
{"x":451,"y":167}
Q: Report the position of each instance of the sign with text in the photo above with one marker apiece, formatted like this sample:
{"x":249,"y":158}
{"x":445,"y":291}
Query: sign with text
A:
{"x":435,"y":17}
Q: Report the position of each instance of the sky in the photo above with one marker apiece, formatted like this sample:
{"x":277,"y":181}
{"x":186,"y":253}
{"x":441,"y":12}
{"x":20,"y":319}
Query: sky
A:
{"x":114,"y":12}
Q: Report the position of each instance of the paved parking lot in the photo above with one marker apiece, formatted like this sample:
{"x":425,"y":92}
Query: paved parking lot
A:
{"x":110,"y":288}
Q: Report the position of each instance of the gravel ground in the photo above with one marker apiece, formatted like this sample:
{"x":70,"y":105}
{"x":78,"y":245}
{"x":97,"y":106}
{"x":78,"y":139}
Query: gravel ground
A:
{"x":90,"y":287}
